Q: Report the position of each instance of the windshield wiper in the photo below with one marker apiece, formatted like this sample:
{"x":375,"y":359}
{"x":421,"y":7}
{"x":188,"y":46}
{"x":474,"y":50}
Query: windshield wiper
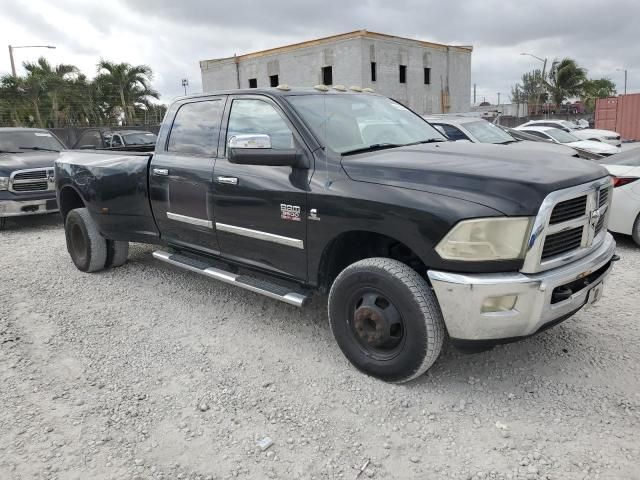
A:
{"x":507,"y":142}
{"x":7,"y":151}
{"x":371,"y":148}
{"x":428,"y":140}
{"x":40,"y":149}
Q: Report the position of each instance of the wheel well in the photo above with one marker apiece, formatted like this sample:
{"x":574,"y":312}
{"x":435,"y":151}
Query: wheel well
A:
{"x":69,"y":199}
{"x":350,"y":247}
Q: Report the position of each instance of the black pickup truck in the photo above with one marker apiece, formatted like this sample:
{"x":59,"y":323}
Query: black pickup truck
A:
{"x":291,"y":192}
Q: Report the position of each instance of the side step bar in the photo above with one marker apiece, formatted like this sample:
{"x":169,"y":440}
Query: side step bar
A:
{"x":254,"y":284}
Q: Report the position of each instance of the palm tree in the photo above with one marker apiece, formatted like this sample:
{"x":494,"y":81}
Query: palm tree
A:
{"x":55,"y":81}
{"x":566,"y":80}
{"x":125,"y":87}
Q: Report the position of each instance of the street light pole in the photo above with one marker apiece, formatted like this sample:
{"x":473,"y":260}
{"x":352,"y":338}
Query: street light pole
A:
{"x":12,"y":48}
{"x":544,"y":68}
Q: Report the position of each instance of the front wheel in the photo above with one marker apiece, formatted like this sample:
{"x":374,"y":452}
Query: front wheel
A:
{"x":386,"y":319}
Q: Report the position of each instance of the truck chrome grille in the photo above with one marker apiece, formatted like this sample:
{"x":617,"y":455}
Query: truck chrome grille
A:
{"x":562,"y":242}
{"x":568,"y":210}
{"x":32,"y":180}
{"x":31,"y":186}
{"x":570,"y":224}
{"x":31,"y":175}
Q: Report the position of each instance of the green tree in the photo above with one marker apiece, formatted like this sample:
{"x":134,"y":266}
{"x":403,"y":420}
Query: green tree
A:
{"x":126,"y":88}
{"x":531,"y":90}
{"x":566,"y":79}
{"x":593,"y":89}
{"x":56,"y":84}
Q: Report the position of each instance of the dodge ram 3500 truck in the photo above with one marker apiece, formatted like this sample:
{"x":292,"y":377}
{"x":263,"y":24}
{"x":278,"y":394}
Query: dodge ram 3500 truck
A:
{"x":291,"y":192}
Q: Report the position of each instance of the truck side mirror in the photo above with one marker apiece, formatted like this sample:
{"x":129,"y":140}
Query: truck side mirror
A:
{"x":256,"y":149}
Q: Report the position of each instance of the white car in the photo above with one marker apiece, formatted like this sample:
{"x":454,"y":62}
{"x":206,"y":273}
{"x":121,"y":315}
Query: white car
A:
{"x":560,"y":136}
{"x":625,"y":205}
{"x":606,"y":136}
{"x":473,"y":129}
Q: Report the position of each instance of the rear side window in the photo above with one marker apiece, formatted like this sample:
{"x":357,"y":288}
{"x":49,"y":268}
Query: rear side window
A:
{"x":90,"y":139}
{"x":536,"y":134}
{"x":196,"y":128}
{"x":452,"y":132}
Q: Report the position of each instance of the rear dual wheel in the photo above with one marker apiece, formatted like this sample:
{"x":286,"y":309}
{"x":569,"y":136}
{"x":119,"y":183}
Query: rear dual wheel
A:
{"x":88,"y":249}
{"x":386,"y":319}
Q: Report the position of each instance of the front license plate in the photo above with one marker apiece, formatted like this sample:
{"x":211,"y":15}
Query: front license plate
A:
{"x":595,"y":294}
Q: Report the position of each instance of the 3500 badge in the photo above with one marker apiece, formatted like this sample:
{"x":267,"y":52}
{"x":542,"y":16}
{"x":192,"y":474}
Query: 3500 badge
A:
{"x":290,"y":212}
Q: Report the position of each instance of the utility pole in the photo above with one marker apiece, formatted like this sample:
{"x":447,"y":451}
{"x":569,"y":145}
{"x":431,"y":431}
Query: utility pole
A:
{"x":625,"y":78}
{"x":185,"y":84}
{"x":541,"y":84}
{"x":498,"y":98}
{"x":12,"y":48}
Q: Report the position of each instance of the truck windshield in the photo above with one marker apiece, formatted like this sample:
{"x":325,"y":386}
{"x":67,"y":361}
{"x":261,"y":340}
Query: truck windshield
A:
{"x":486,"y":132}
{"x":353,"y":123}
{"x":28,"y":140}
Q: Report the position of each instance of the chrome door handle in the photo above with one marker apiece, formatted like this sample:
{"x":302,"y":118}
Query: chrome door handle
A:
{"x":227,"y":180}
{"x":161,"y":171}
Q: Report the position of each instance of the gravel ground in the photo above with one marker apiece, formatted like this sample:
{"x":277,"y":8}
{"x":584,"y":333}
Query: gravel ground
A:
{"x":148,"y":372}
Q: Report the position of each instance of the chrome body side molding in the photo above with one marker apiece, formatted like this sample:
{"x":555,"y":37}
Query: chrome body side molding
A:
{"x":201,"y":222}
{"x":259,"y":235}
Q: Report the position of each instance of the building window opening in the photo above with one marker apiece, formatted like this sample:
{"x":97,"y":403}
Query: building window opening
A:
{"x":327,"y":75}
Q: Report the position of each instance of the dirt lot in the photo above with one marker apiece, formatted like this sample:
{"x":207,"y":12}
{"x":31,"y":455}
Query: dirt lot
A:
{"x":148,"y":372}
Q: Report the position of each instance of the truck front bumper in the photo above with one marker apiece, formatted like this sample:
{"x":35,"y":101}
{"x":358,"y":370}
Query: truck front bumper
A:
{"x":533,"y":302}
{"x":18,"y":208}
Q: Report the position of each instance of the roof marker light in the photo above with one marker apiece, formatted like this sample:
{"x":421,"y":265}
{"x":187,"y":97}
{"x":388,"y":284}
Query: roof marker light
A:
{"x":322,"y":88}
{"x":284,"y":87}
{"x":355,"y":88}
{"x":340,"y":88}
{"x":368,"y":90}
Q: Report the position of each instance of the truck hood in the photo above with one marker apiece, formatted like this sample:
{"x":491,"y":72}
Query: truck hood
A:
{"x":10,"y":162}
{"x":514,"y":182}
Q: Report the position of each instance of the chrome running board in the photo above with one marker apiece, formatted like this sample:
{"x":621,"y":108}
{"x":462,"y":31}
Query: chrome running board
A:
{"x":248,"y":282}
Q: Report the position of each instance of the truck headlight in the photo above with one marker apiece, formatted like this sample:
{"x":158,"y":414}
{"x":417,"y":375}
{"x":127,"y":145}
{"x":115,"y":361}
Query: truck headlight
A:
{"x":480,"y":239}
{"x":4,"y":183}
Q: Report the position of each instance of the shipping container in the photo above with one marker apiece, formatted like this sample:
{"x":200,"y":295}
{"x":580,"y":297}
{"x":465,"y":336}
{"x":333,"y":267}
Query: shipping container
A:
{"x":621,"y":114}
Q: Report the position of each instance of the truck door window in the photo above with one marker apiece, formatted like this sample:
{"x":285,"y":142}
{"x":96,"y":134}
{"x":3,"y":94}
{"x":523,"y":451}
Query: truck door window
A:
{"x":196,"y":128}
{"x":250,"y":116}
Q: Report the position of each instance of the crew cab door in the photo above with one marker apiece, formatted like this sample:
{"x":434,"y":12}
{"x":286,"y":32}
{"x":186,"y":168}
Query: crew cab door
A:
{"x":261,"y":209}
{"x":181,"y":174}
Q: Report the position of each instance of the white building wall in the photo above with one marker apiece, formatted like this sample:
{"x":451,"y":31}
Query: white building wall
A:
{"x":351,"y":64}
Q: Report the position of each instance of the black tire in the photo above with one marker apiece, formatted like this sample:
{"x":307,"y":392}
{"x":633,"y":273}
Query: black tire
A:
{"x":365,"y":302}
{"x":117,"y":253}
{"x":635,"y":233}
{"x":88,"y":249}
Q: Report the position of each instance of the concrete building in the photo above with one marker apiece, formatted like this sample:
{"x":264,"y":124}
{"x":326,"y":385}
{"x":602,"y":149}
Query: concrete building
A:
{"x":427,"y":77}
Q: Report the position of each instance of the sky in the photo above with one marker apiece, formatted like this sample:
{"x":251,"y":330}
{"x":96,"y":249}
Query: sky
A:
{"x":172,"y":36}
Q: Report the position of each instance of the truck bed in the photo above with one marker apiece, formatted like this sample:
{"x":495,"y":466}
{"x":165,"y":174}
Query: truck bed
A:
{"x":114,"y":187}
